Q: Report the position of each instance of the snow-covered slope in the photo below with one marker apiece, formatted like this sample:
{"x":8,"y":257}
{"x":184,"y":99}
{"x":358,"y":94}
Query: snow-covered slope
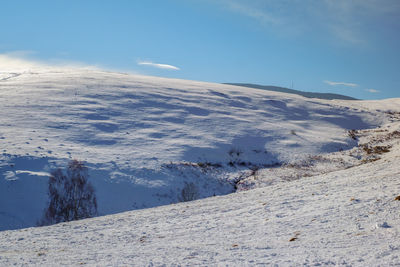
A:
{"x":143,"y":138}
{"x":347,"y":218}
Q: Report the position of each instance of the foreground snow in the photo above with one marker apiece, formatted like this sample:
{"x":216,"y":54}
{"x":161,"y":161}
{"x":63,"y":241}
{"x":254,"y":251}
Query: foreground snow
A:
{"x":347,"y":217}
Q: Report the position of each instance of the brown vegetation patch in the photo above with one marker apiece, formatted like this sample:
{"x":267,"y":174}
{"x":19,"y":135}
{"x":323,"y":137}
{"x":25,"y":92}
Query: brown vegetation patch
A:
{"x":375,"y":149}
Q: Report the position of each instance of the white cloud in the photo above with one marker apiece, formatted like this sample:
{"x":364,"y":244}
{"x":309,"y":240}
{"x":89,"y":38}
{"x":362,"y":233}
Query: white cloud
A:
{"x":158,"y":65}
{"x":372,"y":91}
{"x":341,"y":83}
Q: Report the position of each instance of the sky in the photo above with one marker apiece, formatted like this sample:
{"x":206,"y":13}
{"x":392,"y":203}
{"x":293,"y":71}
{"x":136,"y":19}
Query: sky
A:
{"x":337,"y":46}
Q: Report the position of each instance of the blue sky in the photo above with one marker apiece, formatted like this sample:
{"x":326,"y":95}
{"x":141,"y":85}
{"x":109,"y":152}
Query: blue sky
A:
{"x":341,"y":46}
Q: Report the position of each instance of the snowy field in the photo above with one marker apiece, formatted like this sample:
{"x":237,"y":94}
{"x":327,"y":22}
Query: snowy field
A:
{"x":308,"y":190}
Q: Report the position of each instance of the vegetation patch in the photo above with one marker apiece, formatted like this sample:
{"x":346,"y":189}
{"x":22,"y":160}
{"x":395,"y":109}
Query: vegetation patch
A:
{"x":353,"y":134}
{"x":369,"y":149}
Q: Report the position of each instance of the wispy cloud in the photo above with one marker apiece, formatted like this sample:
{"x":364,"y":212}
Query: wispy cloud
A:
{"x":372,"y":91}
{"x":252,"y":11}
{"x":341,"y":83}
{"x":158,"y":65}
{"x":342,"y":20}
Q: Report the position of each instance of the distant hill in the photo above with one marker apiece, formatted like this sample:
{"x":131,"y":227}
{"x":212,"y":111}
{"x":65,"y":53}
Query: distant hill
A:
{"x":328,"y":96}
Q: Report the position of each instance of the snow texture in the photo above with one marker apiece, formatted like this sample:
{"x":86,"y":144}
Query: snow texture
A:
{"x":320,"y":194}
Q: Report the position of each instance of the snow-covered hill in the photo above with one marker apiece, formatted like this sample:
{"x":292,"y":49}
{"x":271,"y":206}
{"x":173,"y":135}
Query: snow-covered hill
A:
{"x":143,"y":138}
{"x":347,"y":218}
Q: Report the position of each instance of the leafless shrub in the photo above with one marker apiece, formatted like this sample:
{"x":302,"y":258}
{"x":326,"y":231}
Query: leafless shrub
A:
{"x":71,"y":196}
{"x":189,"y":192}
{"x":353,"y":134}
{"x":254,"y":171}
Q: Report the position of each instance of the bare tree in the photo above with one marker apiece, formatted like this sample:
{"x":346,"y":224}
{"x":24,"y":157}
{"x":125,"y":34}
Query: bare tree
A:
{"x":189,"y":192}
{"x":71,"y":195}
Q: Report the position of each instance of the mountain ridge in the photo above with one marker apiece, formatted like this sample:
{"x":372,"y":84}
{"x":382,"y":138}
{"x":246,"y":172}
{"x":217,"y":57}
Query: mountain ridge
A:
{"x":327,"y":96}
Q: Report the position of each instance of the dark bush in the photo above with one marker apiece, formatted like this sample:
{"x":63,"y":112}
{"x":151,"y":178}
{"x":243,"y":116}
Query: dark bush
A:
{"x":71,"y":196}
{"x":189,"y":192}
